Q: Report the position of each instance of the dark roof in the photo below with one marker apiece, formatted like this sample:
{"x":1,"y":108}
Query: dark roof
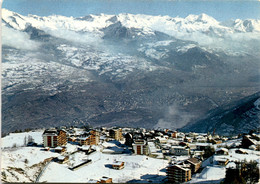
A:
{"x":50,"y":131}
{"x":193,"y":160}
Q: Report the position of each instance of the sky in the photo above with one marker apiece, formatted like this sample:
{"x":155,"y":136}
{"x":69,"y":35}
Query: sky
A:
{"x":219,"y":9}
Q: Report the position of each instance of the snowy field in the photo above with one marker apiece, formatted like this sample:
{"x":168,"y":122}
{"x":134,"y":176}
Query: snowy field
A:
{"x":210,"y":174}
{"x":17,"y":139}
{"x":137,"y":167}
{"x":23,"y":164}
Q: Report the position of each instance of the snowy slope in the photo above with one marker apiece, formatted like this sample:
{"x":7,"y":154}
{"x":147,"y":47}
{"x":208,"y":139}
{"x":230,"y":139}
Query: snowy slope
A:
{"x":18,"y":139}
{"x":22,"y":164}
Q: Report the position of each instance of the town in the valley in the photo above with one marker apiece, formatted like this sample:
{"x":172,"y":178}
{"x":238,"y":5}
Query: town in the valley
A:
{"x":129,"y":155}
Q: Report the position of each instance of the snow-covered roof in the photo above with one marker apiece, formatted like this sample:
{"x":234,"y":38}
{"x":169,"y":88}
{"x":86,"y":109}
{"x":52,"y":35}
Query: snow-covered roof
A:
{"x":117,"y":163}
{"x":220,"y":159}
{"x":58,"y":148}
{"x":104,"y":178}
{"x":178,"y":147}
{"x":231,"y":165}
{"x":92,"y":181}
{"x":61,"y":157}
{"x":222,"y":149}
{"x":83,"y":138}
{"x":203,"y":144}
{"x":152,"y":147}
{"x":85,"y":147}
{"x":241,"y":150}
{"x":181,"y":167}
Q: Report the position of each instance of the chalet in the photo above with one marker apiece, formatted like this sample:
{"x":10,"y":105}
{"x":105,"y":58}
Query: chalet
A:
{"x":178,"y":173}
{"x":179,"y":151}
{"x":85,"y":148}
{"x":105,"y":179}
{"x":220,"y":161}
{"x":162,"y":139}
{"x":59,"y":149}
{"x":203,"y":146}
{"x":221,"y":151}
{"x":53,"y":138}
{"x":118,"y":165}
{"x":181,"y":135}
{"x":197,"y":153}
{"x":241,"y":151}
{"x":194,"y":164}
{"x":62,"y":159}
{"x":140,"y":147}
{"x":202,"y":139}
{"x":172,"y":134}
{"x":116,"y":134}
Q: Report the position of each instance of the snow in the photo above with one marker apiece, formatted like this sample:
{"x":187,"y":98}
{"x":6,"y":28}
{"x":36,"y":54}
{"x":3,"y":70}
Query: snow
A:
{"x":20,"y":69}
{"x":135,"y":167}
{"x":15,"y":156}
{"x":18,"y":139}
{"x":200,"y":28}
{"x":22,"y":163}
{"x":210,"y":174}
{"x":231,"y":165}
{"x":62,"y":174}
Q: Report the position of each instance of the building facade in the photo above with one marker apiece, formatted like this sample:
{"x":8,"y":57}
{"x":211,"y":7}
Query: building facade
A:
{"x":180,"y":151}
{"x":116,"y":134}
{"x":53,"y":138}
{"x":140,"y":147}
{"x":91,"y":139}
{"x":178,"y":173}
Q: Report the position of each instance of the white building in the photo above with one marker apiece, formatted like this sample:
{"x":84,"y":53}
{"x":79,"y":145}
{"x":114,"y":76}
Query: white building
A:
{"x":140,"y":147}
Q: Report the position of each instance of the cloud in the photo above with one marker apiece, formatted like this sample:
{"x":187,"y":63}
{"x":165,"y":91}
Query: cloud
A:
{"x":174,"y":118}
{"x":77,"y":37}
{"x":18,"y":39}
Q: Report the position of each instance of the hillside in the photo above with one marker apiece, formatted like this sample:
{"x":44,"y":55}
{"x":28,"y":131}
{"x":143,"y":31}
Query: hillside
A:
{"x":235,"y":118}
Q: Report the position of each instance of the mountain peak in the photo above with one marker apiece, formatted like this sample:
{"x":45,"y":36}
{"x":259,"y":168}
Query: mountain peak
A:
{"x":204,"y":18}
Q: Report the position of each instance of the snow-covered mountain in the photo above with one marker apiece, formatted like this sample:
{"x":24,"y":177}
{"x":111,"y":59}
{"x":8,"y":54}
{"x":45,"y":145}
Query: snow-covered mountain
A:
{"x":148,"y":24}
{"x":126,"y":68}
